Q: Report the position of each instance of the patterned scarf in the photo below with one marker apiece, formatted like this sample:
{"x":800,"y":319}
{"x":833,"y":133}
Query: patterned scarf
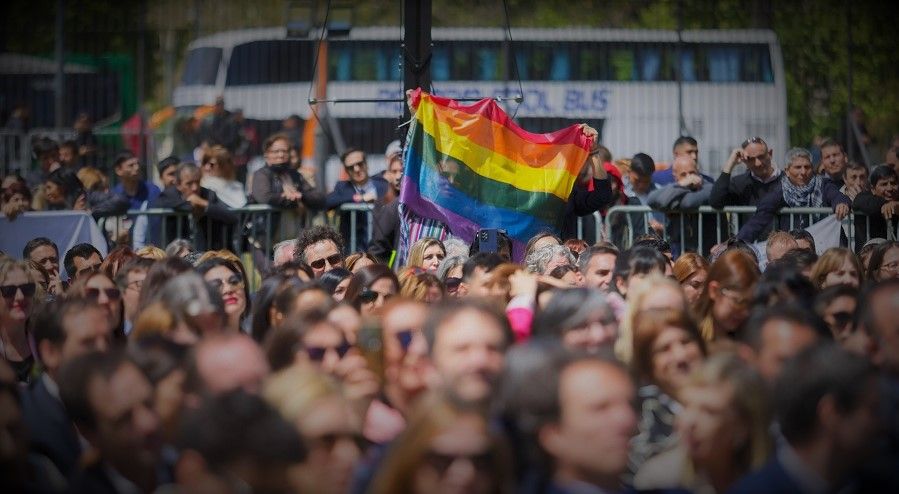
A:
{"x":810,"y":195}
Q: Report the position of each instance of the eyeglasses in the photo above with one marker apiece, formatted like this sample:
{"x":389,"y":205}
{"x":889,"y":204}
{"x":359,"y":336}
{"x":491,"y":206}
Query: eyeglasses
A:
{"x":9,"y":291}
{"x":333,"y":260}
{"x":351,"y":166}
{"x":317,"y":353}
{"x":452,"y":284}
{"x":753,"y":140}
{"x":405,"y":337}
{"x":234,"y":280}
{"x":442,"y":462}
{"x":892,"y":267}
{"x":93,"y":294}
{"x":367,"y":295}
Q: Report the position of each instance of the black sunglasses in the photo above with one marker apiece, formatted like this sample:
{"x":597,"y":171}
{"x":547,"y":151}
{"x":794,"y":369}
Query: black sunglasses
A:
{"x":367,"y":296}
{"x":9,"y":291}
{"x":332,"y":260}
{"x":350,"y":166}
{"x":842,"y":318}
{"x":234,"y":280}
{"x":93,"y":294}
{"x":317,"y":353}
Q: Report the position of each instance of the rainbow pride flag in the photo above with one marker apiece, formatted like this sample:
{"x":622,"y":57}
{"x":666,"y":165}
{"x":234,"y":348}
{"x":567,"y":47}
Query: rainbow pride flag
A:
{"x":472,"y":167}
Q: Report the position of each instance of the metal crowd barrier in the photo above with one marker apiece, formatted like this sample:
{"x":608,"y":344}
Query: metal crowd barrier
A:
{"x":728,"y":216}
{"x":355,"y":209}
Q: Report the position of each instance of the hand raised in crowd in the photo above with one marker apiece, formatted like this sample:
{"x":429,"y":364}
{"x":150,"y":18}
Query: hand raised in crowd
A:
{"x":80,"y":203}
{"x":11,"y":210}
{"x":523,"y":283}
{"x":736,"y":156}
{"x":851,"y":191}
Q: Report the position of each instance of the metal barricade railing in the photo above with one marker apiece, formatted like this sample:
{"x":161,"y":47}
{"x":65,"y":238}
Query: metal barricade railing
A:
{"x":729,"y":216}
{"x":355,"y":209}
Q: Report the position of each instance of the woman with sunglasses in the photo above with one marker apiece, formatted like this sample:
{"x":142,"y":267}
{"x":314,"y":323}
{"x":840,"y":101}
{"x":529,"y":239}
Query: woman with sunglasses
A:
{"x":17,"y":287}
{"x":450,"y":273}
{"x":447,"y":447}
{"x":229,"y":280}
{"x":101,"y":290}
{"x":370,"y":288}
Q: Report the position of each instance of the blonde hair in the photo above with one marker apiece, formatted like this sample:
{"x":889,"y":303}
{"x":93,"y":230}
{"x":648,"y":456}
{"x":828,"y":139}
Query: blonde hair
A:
{"x":417,"y":251}
{"x":295,"y":391}
{"x":687,"y":265}
{"x":156,"y":319}
{"x":636,"y":294}
{"x":415,"y":283}
{"x":354,"y":258}
{"x":150,"y":252}
{"x":92,"y":179}
{"x":831,"y":260}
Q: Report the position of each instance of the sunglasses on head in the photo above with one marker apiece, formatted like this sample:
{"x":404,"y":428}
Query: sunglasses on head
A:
{"x":9,"y":291}
{"x":752,"y":140}
{"x":233,"y":280}
{"x":317,"y":353}
{"x":332,"y":260}
{"x":93,"y":294}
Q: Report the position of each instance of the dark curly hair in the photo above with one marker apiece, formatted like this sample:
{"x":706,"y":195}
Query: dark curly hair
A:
{"x":313,"y":235}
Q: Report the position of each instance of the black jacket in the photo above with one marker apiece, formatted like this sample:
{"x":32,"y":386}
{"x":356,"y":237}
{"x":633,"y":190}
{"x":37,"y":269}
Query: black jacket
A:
{"x":869,"y":204}
{"x":210,"y":230}
{"x":774,"y":202}
{"x":385,"y":230}
{"x":50,"y":430}
{"x":583,"y":203}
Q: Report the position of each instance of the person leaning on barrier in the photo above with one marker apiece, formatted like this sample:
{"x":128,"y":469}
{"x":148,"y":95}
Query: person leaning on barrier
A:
{"x":359,"y":188}
{"x":880,"y":205}
{"x":279,"y":185}
{"x":797,"y":187}
{"x":688,"y":192}
{"x":856,"y":180}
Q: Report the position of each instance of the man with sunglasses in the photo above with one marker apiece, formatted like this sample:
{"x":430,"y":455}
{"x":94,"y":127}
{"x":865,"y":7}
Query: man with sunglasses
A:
{"x":360,"y":188}
{"x":321,"y":247}
{"x":748,"y":188}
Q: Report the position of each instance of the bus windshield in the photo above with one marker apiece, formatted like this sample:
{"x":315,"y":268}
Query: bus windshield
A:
{"x":201,"y":67}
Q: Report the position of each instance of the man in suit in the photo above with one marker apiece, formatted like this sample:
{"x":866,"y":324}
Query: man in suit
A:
{"x":210,"y":221}
{"x":360,"y":188}
{"x":588,"y":431}
{"x":826,"y":403}
{"x":66,"y":329}
{"x":110,"y":401}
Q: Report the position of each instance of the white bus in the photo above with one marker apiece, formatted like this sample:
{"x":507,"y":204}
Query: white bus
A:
{"x":623,"y":82}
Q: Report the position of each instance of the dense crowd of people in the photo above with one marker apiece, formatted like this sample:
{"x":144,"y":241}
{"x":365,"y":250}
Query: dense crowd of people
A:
{"x":583,"y":367}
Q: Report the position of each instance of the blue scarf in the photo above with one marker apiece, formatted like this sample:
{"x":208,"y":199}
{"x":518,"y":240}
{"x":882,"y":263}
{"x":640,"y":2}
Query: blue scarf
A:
{"x":810,"y":195}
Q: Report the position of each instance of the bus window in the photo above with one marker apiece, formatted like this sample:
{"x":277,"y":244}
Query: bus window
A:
{"x":351,"y":61}
{"x":537,"y":62}
{"x":340,"y":63}
{"x":270,"y":62}
{"x":649,"y":64}
{"x":440,"y":64}
{"x":724,"y":64}
{"x":201,"y":67}
{"x":756,"y":64}
{"x":488,"y":63}
{"x":621,"y":61}
{"x":688,"y":69}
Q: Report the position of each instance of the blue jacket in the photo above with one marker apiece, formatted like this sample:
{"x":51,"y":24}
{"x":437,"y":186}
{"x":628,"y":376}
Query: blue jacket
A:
{"x":769,"y":205}
{"x":771,"y":478}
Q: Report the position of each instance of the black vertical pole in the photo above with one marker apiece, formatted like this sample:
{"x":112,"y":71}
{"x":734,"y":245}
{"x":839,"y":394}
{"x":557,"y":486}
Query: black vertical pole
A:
{"x":416,"y":46}
{"x":141,"y":75}
{"x":59,"y":85}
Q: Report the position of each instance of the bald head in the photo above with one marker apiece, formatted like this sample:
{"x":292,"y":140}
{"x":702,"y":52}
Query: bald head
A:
{"x":229,"y":362}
